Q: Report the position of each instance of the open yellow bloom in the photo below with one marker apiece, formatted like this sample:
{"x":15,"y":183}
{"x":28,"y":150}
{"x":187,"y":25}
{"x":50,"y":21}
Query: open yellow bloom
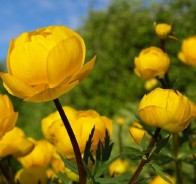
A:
{"x":167,"y":109}
{"x":8,"y":117}
{"x":119,"y":167}
{"x":40,"y":156}
{"x":188,"y":51}
{"x":45,"y":63}
{"x":15,"y":143}
{"x":82,"y":122}
{"x":137,"y":131}
{"x":163,"y":30}
{"x":151,"y":62}
{"x":159,"y":180}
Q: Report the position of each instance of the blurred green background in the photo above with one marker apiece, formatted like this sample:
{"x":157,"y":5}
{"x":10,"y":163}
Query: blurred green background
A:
{"x":116,"y":35}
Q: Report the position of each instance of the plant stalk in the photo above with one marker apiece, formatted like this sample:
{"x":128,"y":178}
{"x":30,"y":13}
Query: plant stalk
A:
{"x":145,"y":158}
{"x":81,"y":168}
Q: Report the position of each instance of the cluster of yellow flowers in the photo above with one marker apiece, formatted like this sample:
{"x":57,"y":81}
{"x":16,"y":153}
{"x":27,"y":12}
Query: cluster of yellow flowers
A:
{"x":48,"y":62}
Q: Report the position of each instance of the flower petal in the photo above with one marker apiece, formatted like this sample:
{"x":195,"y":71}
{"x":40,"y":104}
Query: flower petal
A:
{"x":51,"y":93}
{"x":85,"y":70}
{"x":64,"y":60}
{"x":16,"y":87}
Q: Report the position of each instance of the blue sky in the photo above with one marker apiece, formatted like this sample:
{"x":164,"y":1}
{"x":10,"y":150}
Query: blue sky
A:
{"x":17,"y":16}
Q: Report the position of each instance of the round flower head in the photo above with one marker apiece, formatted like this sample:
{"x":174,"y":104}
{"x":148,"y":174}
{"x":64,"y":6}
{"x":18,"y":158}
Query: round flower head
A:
{"x":166,"y":109}
{"x":8,"y":117}
{"x":151,"y":62}
{"x":163,"y":30}
{"x":188,"y":51}
{"x":82,"y":123}
{"x":45,"y":63}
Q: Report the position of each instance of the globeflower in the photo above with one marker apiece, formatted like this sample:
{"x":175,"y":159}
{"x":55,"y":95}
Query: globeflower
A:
{"x":159,"y":180}
{"x":151,"y":62}
{"x":188,"y":51}
{"x":166,"y":109}
{"x":137,"y":131}
{"x":82,"y":123}
{"x":163,"y":30}
{"x":8,"y":117}
{"x":45,"y":63}
{"x":15,"y":143}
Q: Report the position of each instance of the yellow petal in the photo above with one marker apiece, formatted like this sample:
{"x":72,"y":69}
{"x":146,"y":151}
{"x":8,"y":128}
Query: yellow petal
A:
{"x":51,"y":93}
{"x":84,"y":71}
{"x":16,"y":87}
{"x":64,"y":60}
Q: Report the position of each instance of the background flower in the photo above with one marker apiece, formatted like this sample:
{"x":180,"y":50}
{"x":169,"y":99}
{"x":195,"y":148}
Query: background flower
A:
{"x":8,"y":117}
{"x":163,"y":30}
{"x":188,"y":51}
{"x":165,"y":108}
{"x":151,"y":62}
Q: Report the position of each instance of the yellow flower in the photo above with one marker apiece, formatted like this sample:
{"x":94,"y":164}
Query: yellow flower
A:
{"x":159,"y":180}
{"x":40,"y":156}
{"x":165,"y":108}
{"x":82,"y":123}
{"x":120,"y":120}
{"x":45,"y":63}
{"x":163,"y":30}
{"x":15,"y":143}
{"x":8,"y":117}
{"x":151,"y":62}
{"x":137,"y":131}
{"x":34,"y":175}
{"x":188,"y":51}
{"x":118,"y":167}
{"x":193,"y":109}
{"x":150,"y":84}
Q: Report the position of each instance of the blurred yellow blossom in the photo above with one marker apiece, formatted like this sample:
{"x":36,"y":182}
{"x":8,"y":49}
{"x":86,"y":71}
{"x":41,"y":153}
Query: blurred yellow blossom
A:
{"x":151,"y":62}
{"x":34,"y":175}
{"x":119,"y":167}
{"x":137,"y":131}
{"x":193,"y":109}
{"x":40,"y":156}
{"x":8,"y":117}
{"x":165,"y":108}
{"x":120,"y":120}
{"x":45,"y":63}
{"x":188,"y":51}
{"x":150,"y":84}
{"x":15,"y":143}
{"x":158,"y":180}
{"x":82,"y":124}
{"x":163,"y":30}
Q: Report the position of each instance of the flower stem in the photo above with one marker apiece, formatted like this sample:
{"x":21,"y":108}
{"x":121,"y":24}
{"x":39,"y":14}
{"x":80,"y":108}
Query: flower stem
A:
{"x":178,"y":163}
{"x":81,"y":168}
{"x":145,"y":158}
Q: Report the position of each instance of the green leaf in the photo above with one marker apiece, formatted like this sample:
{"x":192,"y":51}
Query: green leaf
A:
{"x":87,"y":150}
{"x":103,"y":166}
{"x":122,"y":179}
{"x":70,"y":165}
{"x":159,"y":171}
{"x":133,"y":151}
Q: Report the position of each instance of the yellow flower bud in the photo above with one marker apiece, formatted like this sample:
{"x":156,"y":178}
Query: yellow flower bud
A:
{"x":166,"y":109}
{"x":45,"y":63}
{"x":118,"y":167}
{"x":82,"y":124}
{"x":163,"y":30}
{"x":8,"y":117}
{"x":150,"y":84}
{"x":188,"y":51}
{"x":34,"y":175}
{"x":120,"y":120}
{"x":15,"y":143}
{"x":137,"y":131}
{"x":151,"y":62}
{"x":40,"y":156}
{"x":159,"y":180}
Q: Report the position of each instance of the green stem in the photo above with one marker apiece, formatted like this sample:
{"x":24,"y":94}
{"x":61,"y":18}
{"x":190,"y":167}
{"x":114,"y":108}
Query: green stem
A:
{"x":178,"y":163}
{"x":81,"y":168}
{"x":145,"y":158}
